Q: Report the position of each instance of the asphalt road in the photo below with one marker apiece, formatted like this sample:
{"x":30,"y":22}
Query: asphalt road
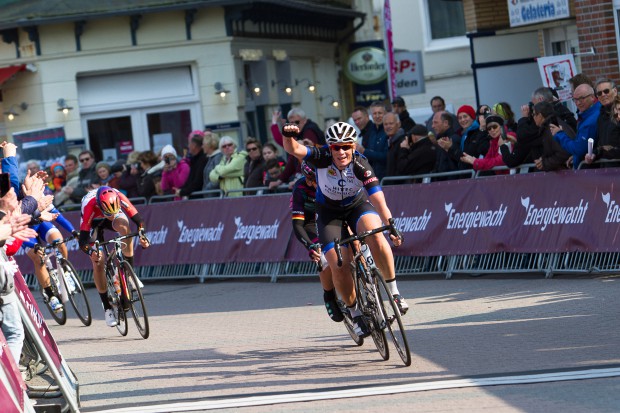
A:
{"x":262,"y":345}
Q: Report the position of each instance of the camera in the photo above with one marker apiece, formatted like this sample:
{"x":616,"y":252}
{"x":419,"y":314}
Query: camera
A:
{"x":167,"y":160}
{"x":530,"y":105}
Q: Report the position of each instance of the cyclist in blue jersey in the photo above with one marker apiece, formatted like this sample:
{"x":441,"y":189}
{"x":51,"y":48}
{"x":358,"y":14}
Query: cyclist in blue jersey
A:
{"x":46,"y":231}
{"x":345,"y":184}
{"x":304,"y":228}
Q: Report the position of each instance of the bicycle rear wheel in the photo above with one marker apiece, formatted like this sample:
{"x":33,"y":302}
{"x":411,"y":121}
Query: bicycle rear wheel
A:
{"x":392,"y":316}
{"x":367,"y":299}
{"x":115,"y":301}
{"x":136,"y":301}
{"x":77,"y":297}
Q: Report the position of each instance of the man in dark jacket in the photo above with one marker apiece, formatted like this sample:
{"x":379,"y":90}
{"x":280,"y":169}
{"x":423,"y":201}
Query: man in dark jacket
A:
{"x":395,"y":135}
{"x":416,"y":153}
{"x":86,"y":177}
{"x":444,"y":127}
{"x":197,"y":162}
{"x":374,"y":145}
{"x":400,"y":108}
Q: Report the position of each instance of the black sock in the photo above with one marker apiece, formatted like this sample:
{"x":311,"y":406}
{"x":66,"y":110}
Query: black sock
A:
{"x":129,"y":260}
{"x":48,"y":292}
{"x":329,"y":295}
{"x":104,"y":301}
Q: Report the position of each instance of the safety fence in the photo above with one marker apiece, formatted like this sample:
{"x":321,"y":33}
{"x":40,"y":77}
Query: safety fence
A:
{"x":547,"y":264}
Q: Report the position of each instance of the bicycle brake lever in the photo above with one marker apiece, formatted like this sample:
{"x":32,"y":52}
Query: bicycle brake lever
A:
{"x":394,"y":231}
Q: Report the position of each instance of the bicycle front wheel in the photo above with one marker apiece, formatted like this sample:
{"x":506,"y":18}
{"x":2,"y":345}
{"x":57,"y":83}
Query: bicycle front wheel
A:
{"x":394,"y":323}
{"x":78,"y":298}
{"x":136,"y":301}
{"x":367,"y":299}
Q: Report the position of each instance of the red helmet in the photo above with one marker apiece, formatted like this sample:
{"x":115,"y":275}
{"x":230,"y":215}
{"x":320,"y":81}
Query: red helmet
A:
{"x":108,"y":201}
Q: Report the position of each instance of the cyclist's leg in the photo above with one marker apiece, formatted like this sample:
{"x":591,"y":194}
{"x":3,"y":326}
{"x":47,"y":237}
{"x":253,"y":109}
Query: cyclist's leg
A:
{"x":120,"y":224}
{"x":39,"y":269}
{"x":98,"y":267}
{"x":329,"y":228}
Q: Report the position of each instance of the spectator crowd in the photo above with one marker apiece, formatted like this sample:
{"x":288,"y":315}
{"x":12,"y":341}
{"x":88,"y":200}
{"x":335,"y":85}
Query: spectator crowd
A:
{"x":543,"y":133}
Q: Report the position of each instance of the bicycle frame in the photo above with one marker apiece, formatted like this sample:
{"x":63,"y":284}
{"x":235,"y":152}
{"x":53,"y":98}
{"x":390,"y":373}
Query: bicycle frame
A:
{"x":115,"y":252}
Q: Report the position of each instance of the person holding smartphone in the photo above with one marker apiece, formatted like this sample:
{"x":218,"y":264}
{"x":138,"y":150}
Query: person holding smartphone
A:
{"x":175,"y":172}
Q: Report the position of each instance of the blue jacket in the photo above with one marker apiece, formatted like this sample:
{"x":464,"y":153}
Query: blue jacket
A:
{"x":586,"y":128}
{"x":375,"y":142}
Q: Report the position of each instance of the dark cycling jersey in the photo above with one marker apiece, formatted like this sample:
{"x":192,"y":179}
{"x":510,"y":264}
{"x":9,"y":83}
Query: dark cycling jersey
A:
{"x":341,"y":189}
{"x":303,"y":212}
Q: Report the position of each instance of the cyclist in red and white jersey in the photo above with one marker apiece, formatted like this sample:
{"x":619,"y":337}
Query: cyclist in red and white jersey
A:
{"x":106,"y":208}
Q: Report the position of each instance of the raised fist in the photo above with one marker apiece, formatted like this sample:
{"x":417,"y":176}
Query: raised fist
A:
{"x":290,"y":130}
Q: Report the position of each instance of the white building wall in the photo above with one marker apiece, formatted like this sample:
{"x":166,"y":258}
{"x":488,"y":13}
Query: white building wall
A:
{"x":447,"y":63}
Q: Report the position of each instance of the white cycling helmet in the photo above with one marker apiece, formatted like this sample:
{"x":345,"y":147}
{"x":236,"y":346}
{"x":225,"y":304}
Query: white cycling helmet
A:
{"x":341,"y":133}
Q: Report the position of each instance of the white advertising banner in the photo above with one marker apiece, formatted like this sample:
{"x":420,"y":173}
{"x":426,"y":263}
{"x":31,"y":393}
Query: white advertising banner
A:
{"x":555,"y":72}
{"x":523,"y":12}
{"x":409,"y":74}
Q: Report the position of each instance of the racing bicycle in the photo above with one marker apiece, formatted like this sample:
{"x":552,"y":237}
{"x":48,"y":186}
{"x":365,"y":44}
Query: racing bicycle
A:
{"x":65,"y":283}
{"x":373,"y":296}
{"x":124,"y":288}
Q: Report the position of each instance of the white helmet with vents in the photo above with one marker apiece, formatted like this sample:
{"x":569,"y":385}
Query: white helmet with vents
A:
{"x":341,"y":133}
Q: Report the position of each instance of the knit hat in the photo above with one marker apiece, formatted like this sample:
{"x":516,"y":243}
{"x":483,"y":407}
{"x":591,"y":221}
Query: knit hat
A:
{"x":467,"y":109}
{"x":494,"y":119}
{"x":168,"y":150}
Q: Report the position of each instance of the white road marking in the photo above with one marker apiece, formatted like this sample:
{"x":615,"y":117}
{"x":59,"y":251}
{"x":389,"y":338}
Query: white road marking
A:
{"x":371,"y":391}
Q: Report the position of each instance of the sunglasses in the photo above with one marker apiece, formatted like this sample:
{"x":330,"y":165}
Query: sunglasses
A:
{"x":227,"y":145}
{"x":296,"y":122}
{"x":337,"y":148}
{"x":603,"y":92}
{"x":84,"y":159}
{"x":492,"y":127}
{"x":252,"y":149}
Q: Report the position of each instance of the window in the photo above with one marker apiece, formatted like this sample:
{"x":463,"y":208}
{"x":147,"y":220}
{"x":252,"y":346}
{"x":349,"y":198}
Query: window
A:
{"x":446,"y":18}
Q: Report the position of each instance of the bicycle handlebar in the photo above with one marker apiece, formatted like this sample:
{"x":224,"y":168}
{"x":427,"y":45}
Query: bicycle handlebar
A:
{"x":116,"y":239}
{"x":360,"y":237}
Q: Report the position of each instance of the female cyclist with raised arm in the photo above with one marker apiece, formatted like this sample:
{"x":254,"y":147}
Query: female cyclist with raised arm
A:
{"x":342,"y":175}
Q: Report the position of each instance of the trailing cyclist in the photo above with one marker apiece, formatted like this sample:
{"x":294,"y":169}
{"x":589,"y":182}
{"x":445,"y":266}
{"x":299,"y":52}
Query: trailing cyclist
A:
{"x":304,"y":227}
{"x":342,"y":175}
{"x":106,"y":208}
{"x":46,"y":231}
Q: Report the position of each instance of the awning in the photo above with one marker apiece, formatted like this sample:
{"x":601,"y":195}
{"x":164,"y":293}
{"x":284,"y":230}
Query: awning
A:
{"x":8,"y":72}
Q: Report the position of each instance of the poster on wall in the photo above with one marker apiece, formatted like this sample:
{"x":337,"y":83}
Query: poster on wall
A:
{"x":45,"y":145}
{"x":555,"y":72}
{"x":366,"y":67}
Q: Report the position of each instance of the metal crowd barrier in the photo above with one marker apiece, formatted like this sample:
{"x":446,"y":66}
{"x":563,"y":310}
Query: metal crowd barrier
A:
{"x":545,"y":264}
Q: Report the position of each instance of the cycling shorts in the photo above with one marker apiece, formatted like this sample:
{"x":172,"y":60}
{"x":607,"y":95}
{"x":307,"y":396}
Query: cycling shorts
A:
{"x":330,"y":222}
